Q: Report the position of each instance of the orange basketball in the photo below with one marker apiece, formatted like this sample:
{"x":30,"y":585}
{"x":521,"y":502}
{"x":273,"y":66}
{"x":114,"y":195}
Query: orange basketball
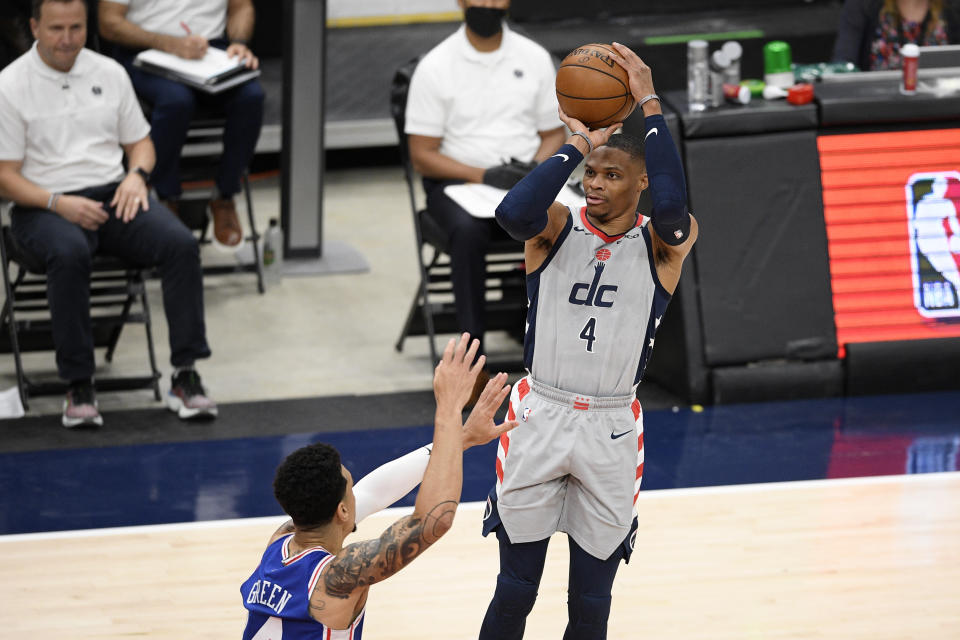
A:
{"x":592,"y":88}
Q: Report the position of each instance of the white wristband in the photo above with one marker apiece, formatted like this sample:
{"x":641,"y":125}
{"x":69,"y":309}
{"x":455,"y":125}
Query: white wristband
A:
{"x":585,"y":137}
{"x":645,"y":99}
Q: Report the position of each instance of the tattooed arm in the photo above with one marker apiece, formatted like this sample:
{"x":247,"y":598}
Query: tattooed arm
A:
{"x":345,"y":580}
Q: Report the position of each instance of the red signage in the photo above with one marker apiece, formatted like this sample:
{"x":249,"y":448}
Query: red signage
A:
{"x":892,"y":211}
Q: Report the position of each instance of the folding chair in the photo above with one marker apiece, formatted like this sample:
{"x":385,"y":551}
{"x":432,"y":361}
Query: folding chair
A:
{"x":117,"y":297}
{"x":433,"y":309}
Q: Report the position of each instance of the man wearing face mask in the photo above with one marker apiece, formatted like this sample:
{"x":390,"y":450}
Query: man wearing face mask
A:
{"x":481,"y":108}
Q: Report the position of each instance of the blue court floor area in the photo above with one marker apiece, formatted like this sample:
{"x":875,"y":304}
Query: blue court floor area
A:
{"x":136,"y":484}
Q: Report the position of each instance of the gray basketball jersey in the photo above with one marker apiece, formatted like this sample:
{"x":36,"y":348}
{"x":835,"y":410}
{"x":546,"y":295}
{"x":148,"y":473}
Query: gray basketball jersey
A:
{"x":595,"y":305}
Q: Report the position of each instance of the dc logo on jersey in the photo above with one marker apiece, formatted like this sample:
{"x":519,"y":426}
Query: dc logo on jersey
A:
{"x":592,"y":294}
{"x":933,"y":214}
{"x":526,"y":414}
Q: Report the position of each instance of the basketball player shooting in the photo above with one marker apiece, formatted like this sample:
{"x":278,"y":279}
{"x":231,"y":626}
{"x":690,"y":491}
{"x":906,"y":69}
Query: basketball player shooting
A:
{"x":599,"y":280}
{"x":308,"y":584}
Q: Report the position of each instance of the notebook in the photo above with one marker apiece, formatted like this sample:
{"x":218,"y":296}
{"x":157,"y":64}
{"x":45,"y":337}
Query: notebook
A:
{"x":213,"y":73}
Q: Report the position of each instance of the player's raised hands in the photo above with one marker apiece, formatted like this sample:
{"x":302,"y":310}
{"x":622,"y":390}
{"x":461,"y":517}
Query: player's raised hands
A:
{"x":641,"y":77}
{"x":456,"y":373}
{"x":480,"y":428}
{"x":598,"y":137}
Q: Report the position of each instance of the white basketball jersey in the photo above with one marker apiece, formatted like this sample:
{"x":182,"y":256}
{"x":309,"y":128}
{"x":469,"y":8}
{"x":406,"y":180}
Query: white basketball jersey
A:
{"x":595,"y":305}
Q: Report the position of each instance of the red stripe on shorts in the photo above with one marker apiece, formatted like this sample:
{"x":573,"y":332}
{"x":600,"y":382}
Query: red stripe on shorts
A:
{"x":640,"y":442}
{"x":636,"y":410}
{"x":505,"y":443}
{"x":523,"y":388}
{"x":499,"y":470}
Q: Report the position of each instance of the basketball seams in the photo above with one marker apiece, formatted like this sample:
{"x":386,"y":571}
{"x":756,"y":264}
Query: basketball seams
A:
{"x":626,"y":89}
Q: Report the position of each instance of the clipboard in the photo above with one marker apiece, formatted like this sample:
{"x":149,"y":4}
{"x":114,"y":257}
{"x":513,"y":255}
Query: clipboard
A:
{"x":213,"y":73}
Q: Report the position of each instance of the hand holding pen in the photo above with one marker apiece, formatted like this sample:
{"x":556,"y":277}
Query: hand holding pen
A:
{"x":189,"y":46}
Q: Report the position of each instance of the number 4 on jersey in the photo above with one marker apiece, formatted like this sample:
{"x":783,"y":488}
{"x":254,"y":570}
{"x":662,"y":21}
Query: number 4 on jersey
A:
{"x":589,"y":333}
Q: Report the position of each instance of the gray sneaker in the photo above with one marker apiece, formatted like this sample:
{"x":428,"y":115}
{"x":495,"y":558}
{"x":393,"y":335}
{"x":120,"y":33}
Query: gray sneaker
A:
{"x":187,"y":397}
{"x":80,"y":407}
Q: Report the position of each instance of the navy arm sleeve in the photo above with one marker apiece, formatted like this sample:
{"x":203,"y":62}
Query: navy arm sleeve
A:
{"x":668,"y":190}
{"x":523,"y":211}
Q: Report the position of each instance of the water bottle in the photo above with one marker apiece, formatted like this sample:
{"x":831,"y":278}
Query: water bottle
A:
{"x":272,"y":254}
{"x":697,"y":75}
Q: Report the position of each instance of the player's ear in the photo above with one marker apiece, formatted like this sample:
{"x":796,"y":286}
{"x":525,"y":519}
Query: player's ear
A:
{"x":644,"y":180}
{"x":343,"y":513}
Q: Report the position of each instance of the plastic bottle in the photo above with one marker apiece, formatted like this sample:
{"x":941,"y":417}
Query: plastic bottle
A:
{"x":698,"y":80}
{"x":272,"y":254}
{"x":718,"y":64}
{"x":734,"y":51}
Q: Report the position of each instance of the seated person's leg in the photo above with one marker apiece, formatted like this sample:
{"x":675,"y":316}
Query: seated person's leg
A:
{"x":65,"y":250}
{"x":243,"y":107}
{"x":173,"y":106}
{"x":156,"y":237}
{"x":468,"y":240}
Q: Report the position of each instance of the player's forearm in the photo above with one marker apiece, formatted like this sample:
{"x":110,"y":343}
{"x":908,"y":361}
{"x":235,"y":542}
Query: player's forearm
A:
{"x":437,"y":166}
{"x":391,"y":481}
{"x":443,"y":478}
{"x":14,"y":187}
{"x":523,"y":211}
{"x":668,"y":191}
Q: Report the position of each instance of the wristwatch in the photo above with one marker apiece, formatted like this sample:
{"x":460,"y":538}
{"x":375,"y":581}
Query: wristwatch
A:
{"x":143,"y":173}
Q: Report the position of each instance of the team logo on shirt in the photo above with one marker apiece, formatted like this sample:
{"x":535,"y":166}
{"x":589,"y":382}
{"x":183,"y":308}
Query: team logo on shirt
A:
{"x":603,"y":254}
{"x":594,"y":294}
{"x":525,"y":414}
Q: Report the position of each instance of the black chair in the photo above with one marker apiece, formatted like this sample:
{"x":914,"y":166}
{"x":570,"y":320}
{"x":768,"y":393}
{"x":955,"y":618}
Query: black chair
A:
{"x":433,"y":309}
{"x":117,"y":297}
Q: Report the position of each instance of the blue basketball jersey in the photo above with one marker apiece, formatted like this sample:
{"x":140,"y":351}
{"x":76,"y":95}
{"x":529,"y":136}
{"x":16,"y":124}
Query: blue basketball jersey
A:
{"x":277,"y":596}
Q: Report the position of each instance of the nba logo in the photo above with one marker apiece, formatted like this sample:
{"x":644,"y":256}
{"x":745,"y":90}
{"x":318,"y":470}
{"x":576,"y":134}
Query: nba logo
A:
{"x":933,"y":215}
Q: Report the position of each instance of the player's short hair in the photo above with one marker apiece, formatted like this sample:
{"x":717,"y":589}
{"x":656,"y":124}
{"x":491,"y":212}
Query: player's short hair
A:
{"x":36,"y":5}
{"x":629,"y":144}
{"x":309,"y":485}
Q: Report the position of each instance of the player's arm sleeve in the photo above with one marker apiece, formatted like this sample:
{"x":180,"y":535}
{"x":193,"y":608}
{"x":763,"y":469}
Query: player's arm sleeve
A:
{"x":426,"y":107}
{"x":132,"y":125}
{"x":13,"y":130}
{"x":391,"y":481}
{"x":523,"y":211}
{"x":668,"y":190}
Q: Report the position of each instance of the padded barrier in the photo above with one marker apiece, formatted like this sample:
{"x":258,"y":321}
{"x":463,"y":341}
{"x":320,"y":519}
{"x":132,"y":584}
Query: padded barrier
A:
{"x":903,"y":366}
{"x":777,"y":381}
{"x":764,"y":282}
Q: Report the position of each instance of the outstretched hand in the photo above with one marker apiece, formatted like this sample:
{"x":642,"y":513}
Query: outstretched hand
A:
{"x":454,"y":377}
{"x":480,"y":428}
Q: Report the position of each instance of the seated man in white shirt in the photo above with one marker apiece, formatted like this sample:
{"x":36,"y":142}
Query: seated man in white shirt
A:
{"x":478,"y":100}
{"x":67,"y":117}
{"x":186,"y":28}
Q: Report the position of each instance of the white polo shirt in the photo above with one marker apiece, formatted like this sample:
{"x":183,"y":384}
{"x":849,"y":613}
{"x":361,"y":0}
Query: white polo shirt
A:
{"x":67,"y":128}
{"x":207,"y":18}
{"x":487,"y":107}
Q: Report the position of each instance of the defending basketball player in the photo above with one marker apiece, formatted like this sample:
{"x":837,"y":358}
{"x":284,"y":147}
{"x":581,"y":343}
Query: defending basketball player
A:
{"x":599,"y":280}
{"x":308,"y":585}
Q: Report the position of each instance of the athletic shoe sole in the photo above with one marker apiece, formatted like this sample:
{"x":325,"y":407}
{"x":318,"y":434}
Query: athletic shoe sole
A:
{"x":73,"y":423}
{"x":175,"y":404}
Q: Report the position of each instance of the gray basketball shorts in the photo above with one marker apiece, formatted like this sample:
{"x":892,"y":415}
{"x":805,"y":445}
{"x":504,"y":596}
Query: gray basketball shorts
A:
{"x":574,"y":464}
